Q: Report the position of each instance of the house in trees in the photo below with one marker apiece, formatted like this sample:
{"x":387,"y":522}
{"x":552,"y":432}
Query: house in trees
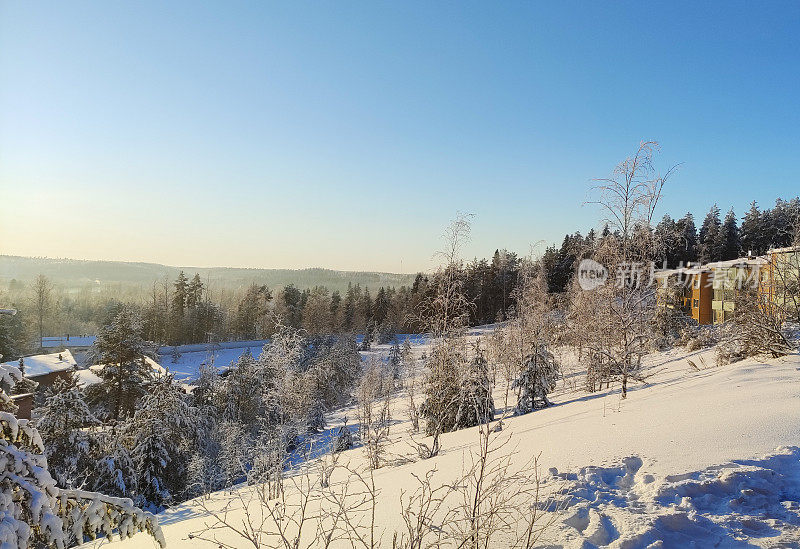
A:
{"x":708,"y":292}
{"x":45,"y":369}
{"x":687,"y":289}
{"x":42,"y":369}
{"x":730,"y":277}
{"x":780,"y":280}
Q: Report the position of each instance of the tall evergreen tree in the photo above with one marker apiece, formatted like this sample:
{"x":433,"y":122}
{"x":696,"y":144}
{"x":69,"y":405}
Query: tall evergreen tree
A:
{"x":686,"y":245}
{"x":731,"y":246}
{"x":125,"y":375}
{"x":750,"y":235}
{"x":709,"y":237}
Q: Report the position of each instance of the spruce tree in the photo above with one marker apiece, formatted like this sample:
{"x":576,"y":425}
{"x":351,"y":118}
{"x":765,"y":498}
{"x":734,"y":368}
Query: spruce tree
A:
{"x":162,"y":432}
{"x":709,"y":237}
{"x":751,"y":238}
{"x":731,"y":246}
{"x":63,"y":423}
{"x":536,"y":379}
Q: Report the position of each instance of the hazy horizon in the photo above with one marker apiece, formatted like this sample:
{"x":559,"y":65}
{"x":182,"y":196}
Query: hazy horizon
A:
{"x":189,"y":267}
{"x":347,"y":136}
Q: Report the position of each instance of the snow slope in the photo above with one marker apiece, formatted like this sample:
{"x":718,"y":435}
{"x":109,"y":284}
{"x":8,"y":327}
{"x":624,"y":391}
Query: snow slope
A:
{"x":700,"y":456}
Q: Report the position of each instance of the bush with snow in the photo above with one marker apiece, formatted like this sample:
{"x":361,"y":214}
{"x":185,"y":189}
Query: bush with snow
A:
{"x":36,"y":512}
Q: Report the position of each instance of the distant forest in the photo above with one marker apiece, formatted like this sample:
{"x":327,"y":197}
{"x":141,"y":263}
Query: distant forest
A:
{"x":204,"y":306}
{"x":78,"y":275}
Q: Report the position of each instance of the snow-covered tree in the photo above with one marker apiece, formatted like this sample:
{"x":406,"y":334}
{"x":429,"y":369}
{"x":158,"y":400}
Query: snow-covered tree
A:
{"x":125,"y":375}
{"x":235,"y":451}
{"x":537,"y":378}
{"x":36,"y":512}
{"x":62,"y":422}
{"x":475,"y":402}
{"x":163,"y":431}
{"x":395,"y":360}
{"x":445,"y":312}
{"x":114,"y":472}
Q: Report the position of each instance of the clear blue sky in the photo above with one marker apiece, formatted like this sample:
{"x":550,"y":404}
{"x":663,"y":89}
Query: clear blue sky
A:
{"x":347,"y":134}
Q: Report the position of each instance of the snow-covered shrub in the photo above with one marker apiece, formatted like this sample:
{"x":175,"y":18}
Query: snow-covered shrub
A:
{"x":37,"y":513}
{"x":537,"y":378}
{"x":373,"y":411}
{"x":344,"y":439}
{"x":695,"y":337}
{"x":759,"y":325}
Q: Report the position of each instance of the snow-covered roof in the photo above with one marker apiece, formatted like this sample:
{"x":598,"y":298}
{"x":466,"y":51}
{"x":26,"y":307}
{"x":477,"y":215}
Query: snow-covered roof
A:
{"x":90,"y":376}
{"x":697,"y":269}
{"x":784,"y":250}
{"x":737,"y":262}
{"x":40,"y":365}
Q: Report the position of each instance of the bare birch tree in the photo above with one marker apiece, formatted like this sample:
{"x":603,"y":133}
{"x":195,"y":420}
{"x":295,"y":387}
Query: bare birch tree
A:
{"x":617,"y":328}
{"x":42,"y":303}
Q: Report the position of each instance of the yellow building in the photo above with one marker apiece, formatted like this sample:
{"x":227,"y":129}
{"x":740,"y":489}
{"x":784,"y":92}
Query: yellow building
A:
{"x":730,"y":277}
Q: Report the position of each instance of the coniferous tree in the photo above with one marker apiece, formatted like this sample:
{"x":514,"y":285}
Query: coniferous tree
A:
{"x":62,"y":422}
{"x":121,"y":349}
{"x":162,"y":431}
{"x":178,"y":307}
{"x":686,"y":245}
{"x":252,"y":311}
{"x":751,"y":237}
{"x":709,"y":247}
{"x":668,"y":240}
{"x":475,"y":404}
{"x":731,"y":246}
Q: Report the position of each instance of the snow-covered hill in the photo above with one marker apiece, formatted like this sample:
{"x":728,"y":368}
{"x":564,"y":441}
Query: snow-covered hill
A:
{"x":701,"y":454}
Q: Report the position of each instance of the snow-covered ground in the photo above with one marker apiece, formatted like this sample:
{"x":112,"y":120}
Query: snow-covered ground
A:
{"x":700,"y":456}
{"x":223,"y":356}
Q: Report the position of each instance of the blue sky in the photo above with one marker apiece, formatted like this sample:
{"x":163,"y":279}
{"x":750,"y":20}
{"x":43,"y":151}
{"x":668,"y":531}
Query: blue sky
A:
{"x":346,"y":135}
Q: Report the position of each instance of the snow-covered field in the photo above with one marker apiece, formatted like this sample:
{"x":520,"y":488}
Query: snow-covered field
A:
{"x":188,"y":363}
{"x":700,"y":456}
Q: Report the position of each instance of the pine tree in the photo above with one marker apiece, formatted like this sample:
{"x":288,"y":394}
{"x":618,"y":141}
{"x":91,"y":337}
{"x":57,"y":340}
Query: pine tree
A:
{"x":125,"y":373}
